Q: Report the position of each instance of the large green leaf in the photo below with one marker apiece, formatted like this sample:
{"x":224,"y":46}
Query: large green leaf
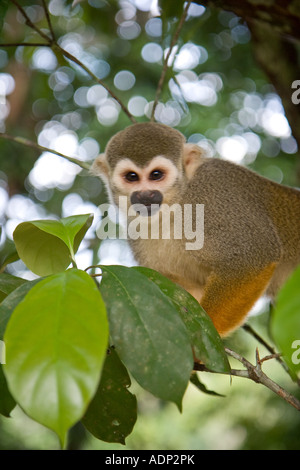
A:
{"x":47,"y":246}
{"x":56,"y":343}
{"x":285,"y":321}
{"x":113,"y":411}
{"x":148,"y":333}
{"x":207,"y":344}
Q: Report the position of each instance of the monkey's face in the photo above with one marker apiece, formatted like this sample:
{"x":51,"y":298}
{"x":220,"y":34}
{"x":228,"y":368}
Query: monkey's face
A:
{"x":149,"y":164}
{"x":148,"y":186}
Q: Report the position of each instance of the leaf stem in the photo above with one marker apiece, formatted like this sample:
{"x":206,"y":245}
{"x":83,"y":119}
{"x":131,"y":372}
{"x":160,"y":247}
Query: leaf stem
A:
{"x":74,"y":264}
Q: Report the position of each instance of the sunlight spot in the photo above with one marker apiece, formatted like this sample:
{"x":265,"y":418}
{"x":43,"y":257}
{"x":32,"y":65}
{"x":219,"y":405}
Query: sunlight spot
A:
{"x":124,"y":80}
{"x":44,"y":59}
{"x":232,"y":148}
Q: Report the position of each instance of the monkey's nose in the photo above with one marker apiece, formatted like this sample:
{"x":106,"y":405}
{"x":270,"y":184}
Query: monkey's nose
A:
{"x":146,"y":197}
{"x":151,"y":200}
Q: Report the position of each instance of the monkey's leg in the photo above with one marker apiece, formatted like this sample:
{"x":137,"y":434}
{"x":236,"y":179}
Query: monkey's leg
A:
{"x":227,"y":300}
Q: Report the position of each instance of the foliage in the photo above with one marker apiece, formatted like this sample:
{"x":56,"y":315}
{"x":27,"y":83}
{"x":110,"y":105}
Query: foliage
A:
{"x":74,"y":339}
{"x":56,"y":336}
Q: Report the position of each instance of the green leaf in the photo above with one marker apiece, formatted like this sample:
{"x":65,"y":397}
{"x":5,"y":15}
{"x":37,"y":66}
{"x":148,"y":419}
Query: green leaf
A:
{"x":56,"y":342}
{"x":285,"y":321}
{"x":207,"y":344}
{"x":171,"y":9}
{"x":70,"y":230}
{"x":47,"y":246}
{"x":8,"y":258}
{"x":7,"y":307}
{"x":113,"y":411}
{"x":147,"y":332}
{"x":8,"y":283}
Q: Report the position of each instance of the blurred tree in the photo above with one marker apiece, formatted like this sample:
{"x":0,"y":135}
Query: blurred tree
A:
{"x":215,"y":94}
{"x":275,"y":35}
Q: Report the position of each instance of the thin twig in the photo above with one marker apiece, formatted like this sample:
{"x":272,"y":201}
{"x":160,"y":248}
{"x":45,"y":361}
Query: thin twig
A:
{"x":269,"y":357}
{"x":98,"y":80}
{"x":29,"y":143}
{"x":269,"y":348}
{"x":183,"y":105}
{"x":166,"y":60}
{"x":30,"y":23}
{"x":48,"y":19}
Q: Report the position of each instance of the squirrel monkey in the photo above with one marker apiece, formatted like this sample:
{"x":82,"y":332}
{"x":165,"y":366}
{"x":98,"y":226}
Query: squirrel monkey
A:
{"x":251,"y":224}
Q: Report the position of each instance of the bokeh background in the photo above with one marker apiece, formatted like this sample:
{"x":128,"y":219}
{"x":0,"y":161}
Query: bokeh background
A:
{"x":215,"y":94}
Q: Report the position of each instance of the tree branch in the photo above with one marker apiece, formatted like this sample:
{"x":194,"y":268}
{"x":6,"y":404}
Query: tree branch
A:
{"x":29,"y":143}
{"x":255,"y":373}
{"x":69,"y":56}
{"x":282,"y":16}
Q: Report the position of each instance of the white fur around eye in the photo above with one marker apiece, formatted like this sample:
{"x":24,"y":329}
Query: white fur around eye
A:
{"x":122,"y":167}
{"x":161,"y":163}
{"x":167,"y":167}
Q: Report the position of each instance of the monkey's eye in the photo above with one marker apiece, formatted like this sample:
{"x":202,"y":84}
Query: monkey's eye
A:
{"x":156,"y":175}
{"x":131,"y":176}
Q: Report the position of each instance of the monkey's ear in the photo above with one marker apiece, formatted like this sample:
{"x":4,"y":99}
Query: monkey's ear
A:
{"x":193,"y":157}
{"x":100,"y":167}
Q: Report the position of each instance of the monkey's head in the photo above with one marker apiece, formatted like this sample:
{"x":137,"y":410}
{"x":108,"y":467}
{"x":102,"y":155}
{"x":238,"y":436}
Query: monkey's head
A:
{"x":148,"y":163}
